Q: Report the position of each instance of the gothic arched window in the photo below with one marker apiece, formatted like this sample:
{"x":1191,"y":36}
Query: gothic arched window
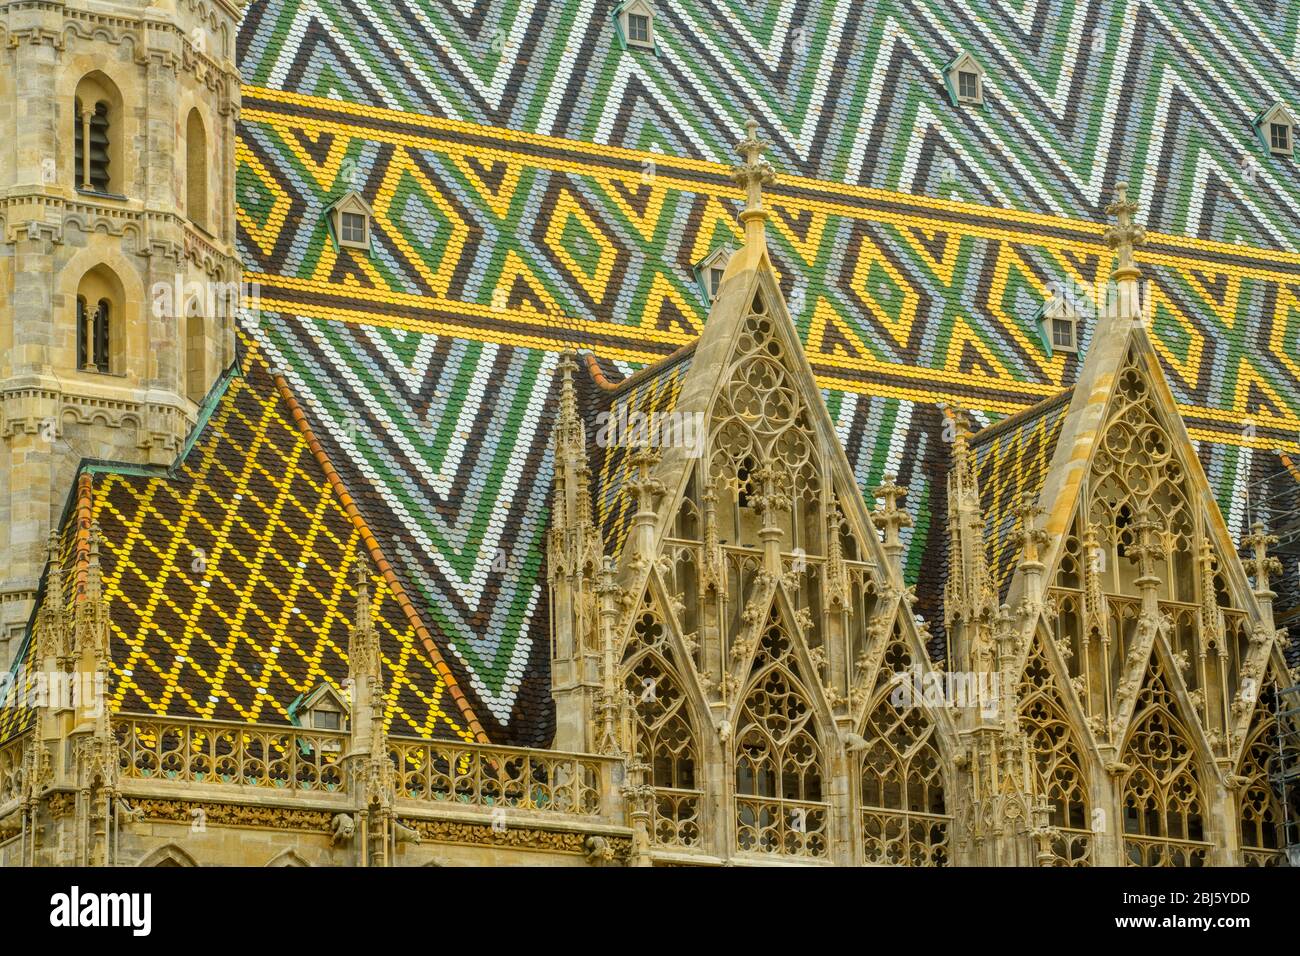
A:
{"x":1260,"y":811}
{"x":665,"y":739}
{"x":905,"y":815}
{"x":96,"y":136}
{"x":1163,"y":802}
{"x":93,"y":324}
{"x":781,"y":805}
{"x":1057,"y":760}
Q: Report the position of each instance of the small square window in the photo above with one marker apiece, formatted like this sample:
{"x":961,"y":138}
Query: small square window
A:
{"x":968,"y":86}
{"x":1062,"y":334}
{"x":1279,"y":137}
{"x":327,"y":720}
{"x":638,"y":28}
{"x":353,"y":228}
{"x":715,"y":282}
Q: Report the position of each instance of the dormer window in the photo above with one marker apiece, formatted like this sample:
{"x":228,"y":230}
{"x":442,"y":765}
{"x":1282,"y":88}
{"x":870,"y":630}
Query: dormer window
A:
{"x":350,"y":222}
{"x":636,"y":23}
{"x":1276,"y":128}
{"x":352,"y":229}
{"x":965,"y":80}
{"x":710,"y":269}
{"x":1279,"y":137}
{"x":322,"y":709}
{"x":1058,"y":324}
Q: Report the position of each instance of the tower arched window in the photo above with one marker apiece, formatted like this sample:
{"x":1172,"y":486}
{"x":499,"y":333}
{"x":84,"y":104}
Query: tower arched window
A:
{"x":92,"y":163}
{"x":93,"y":323}
{"x":196,"y":170}
{"x":96,"y":135}
{"x":98,"y":320}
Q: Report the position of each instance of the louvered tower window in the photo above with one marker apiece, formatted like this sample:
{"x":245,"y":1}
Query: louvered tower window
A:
{"x":92,"y":335}
{"x":92,"y":170}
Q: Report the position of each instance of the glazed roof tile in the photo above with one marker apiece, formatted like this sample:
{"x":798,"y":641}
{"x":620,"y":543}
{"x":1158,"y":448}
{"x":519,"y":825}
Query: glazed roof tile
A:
{"x":230,"y":577}
{"x":1011,"y":460}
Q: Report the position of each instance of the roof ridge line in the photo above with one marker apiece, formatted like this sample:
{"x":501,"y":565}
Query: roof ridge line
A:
{"x":641,"y":374}
{"x":377,"y":556}
{"x":1040,"y":406}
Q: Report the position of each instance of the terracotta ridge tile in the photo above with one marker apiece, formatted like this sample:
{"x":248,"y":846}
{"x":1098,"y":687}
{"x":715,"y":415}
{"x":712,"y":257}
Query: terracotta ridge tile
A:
{"x":380,"y":562}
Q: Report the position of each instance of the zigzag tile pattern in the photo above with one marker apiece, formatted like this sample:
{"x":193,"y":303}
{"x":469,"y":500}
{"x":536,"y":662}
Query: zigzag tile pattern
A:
{"x":536,"y":188}
{"x":919,"y":298}
{"x":444,"y":445}
{"x":1011,"y":460}
{"x":1078,"y":93}
{"x":631,"y":414}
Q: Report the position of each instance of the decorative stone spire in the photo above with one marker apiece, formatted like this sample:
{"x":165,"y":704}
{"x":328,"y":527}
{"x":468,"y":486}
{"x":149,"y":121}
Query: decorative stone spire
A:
{"x":969,"y":599}
{"x":646,"y":489}
{"x":364,"y":665}
{"x":574,"y":544}
{"x":838,"y":586}
{"x":1125,"y":234}
{"x":891,"y":519}
{"x":1032,"y":540}
{"x":1123,"y":237}
{"x":90,"y":627}
{"x":753,"y":173}
{"x":1262,"y":567}
{"x":51,"y":627}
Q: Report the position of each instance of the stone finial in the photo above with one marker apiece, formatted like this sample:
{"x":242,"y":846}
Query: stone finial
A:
{"x":1260,"y":565}
{"x":1125,"y":234}
{"x":754,"y":172}
{"x":890,"y":518}
{"x":1027,"y":511}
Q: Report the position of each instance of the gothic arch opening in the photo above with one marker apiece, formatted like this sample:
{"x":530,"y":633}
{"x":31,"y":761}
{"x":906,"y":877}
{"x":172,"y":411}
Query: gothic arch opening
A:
{"x":196,"y":170}
{"x":1163,"y":802}
{"x":905,"y":814}
{"x":665,"y":737}
{"x":99,"y":321}
{"x":1259,"y":811}
{"x":781,"y":802}
{"x":97,"y":134}
{"x":1058,"y":761}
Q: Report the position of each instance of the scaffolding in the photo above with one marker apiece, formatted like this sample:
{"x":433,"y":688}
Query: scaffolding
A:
{"x":1286,"y":775}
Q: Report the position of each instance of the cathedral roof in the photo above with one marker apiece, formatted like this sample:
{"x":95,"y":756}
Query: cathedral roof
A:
{"x":538,"y":187}
{"x":1011,"y":460}
{"x":623,"y":412}
{"x":230,"y":577}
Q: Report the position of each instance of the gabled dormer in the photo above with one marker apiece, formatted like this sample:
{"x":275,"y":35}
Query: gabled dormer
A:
{"x":964,"y":78}
{"x":322,"y":708}
{"x":635,"y":22}
{"x":349,"y":219}
{"x":1275,"y":128}
{"x":710,"y":269}
{"x":758,"y":625}
{"x":1058,"y":322}
{"x":1103,"y":534}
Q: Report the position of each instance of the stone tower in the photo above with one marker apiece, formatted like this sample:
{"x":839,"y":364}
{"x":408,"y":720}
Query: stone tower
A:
{"x":118,"y":273}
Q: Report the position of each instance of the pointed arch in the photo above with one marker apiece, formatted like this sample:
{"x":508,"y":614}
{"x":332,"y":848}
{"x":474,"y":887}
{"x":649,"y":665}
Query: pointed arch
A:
{"x":781,"y":800}
{"x":906,"y":817}
{"x":1163,"y":802}
{"x":1260,"y":813}
{"x":1057,"y":759}
{"x":761,"y":440}
{"x":196,"y":169}
{"x":168,"y":855}
{"x":665,"y":735}
{"x":287,"y":858}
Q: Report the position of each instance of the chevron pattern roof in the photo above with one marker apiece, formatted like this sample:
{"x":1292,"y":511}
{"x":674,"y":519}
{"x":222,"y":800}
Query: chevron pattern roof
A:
{"x":1078,"y":93}
{"x":538,"y":187}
